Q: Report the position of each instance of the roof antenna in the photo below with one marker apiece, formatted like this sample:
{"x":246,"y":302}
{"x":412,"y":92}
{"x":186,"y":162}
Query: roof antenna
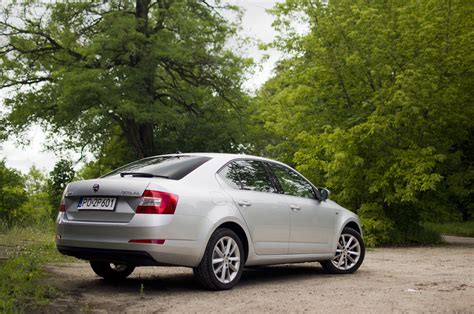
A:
{"x":178,"y":152}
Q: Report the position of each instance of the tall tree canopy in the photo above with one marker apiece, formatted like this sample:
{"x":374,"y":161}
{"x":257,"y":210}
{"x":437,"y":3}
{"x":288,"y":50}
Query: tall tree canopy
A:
{"x":376,"y":102}
{"x":156,"y":76}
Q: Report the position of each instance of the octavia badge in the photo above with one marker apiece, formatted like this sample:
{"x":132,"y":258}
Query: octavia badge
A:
{"x":95,"y":187}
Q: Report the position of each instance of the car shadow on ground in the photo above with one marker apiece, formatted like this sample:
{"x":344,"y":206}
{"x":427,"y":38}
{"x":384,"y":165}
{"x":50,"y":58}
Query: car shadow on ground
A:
{"x":183,"y":282}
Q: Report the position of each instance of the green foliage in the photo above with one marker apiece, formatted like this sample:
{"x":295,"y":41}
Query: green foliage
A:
{"x":60,"y":176}
{"x":376,"y":103}
{"x":376,"y":225}
{"x":155,"y":77}
{"x":37,"y":210}
{"x":12,"y":194}
{"x":25,"y":200}
{"x":462,"y":229}
{"x":113,"y":154}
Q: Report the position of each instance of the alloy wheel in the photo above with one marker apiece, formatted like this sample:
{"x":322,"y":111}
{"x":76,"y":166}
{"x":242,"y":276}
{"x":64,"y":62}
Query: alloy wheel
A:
{"x":226,"y":260}
{"x":347,"y":253}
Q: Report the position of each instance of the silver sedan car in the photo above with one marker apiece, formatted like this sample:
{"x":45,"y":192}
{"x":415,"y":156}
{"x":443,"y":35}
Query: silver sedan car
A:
{"x":215,"y":213}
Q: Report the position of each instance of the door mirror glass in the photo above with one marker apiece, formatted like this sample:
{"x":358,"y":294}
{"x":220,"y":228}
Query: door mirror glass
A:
{"x":324,"y":194}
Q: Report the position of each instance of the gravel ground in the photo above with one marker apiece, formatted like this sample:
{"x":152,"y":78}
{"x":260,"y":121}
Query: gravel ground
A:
{"x":457,"y":240}
{"x":421,"y":279}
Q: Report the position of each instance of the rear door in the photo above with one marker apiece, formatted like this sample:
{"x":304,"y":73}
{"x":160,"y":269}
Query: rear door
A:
{"x":312,"y":223}
{"x":265,"y":211}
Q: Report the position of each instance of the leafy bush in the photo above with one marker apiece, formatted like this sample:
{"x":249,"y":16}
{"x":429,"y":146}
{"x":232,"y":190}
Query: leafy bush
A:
{"x":12,"y":194}
{"x":376,"y":226}
{"x":27,"y":200}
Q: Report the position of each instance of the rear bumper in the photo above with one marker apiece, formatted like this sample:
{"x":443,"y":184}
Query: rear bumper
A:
{"x":137,"y":258}
{"x":185,"y":239}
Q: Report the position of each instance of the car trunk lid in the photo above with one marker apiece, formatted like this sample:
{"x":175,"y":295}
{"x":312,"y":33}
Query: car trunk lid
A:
{"x":121,"y":195}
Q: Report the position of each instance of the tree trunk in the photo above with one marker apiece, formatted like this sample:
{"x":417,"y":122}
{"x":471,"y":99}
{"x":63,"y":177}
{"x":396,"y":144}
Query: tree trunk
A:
{"x":147,"y":138}
{"x":140,"y":136}
{"x":141,"y":13}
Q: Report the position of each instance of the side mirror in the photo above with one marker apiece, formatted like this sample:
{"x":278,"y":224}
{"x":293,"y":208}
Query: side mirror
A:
{"x":324,"y":194}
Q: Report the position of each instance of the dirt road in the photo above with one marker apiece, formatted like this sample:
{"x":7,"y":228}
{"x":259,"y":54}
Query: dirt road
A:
{"x":425,"y":279}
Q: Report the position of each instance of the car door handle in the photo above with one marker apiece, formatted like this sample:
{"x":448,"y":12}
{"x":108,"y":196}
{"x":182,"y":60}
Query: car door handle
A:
{"x":244,"y":203}
{"x":295,"y":208}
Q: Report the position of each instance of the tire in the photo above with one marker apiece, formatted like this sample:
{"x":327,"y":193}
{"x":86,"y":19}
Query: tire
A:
{"x":346,"y":260}
{"x":111,"y":271}
{"x":226,"y":246}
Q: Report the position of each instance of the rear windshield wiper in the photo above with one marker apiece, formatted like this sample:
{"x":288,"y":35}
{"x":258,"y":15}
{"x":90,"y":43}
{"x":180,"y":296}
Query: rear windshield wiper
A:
{"x":142,"y":174}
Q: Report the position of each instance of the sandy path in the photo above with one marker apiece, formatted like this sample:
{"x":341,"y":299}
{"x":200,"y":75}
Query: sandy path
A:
{"x":457,"y":240}
{"x":424,"y":279}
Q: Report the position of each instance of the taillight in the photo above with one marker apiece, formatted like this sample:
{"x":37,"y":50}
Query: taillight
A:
{"x":156,"y":202}
{"x":62,"y":203}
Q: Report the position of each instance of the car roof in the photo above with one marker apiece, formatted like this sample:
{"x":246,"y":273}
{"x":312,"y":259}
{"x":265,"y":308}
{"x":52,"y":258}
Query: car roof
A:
{"x":224,"y":157}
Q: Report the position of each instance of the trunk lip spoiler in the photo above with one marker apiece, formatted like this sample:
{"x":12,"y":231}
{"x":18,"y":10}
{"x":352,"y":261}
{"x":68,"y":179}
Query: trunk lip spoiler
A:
{"x":143,"y":175}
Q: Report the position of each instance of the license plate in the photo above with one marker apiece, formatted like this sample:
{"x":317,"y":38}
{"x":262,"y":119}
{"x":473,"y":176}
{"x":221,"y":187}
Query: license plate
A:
{"x":96,"y":203}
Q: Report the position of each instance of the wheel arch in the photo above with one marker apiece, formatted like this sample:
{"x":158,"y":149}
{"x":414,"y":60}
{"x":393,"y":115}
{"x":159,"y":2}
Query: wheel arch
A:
{"x":240,"y":232}
{"x":353,"y":225}
{"x":350,"y":222}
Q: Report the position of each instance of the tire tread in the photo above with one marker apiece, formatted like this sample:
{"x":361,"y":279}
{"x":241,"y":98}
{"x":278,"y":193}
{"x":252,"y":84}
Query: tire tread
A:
{"x":102,"y":269}
{"x":203,"y":271}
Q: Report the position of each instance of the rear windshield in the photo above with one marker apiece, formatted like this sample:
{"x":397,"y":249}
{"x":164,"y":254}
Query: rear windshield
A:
{"x":173,"y":167}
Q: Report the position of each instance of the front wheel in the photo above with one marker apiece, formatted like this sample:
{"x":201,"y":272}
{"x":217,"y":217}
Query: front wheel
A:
{"x":111,"y":271}
{"x":350,"y":253}
{"x":222,"y":264}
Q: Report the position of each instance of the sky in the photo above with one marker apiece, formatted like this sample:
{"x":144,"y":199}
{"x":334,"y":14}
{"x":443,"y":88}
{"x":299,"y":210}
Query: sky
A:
{"x":256,"y":23}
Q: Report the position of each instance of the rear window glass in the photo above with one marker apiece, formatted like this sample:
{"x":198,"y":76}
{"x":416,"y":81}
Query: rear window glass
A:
{"x":173,"y":167}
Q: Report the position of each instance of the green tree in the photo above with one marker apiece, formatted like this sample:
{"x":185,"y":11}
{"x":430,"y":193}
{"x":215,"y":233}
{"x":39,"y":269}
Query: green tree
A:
{"x":37,"y":209}
{"x":61,"y":175}
{"x":35,"y":181}
{"x":12,"y":194}
{"x":158,"y":74}
{"x":376,"y":103}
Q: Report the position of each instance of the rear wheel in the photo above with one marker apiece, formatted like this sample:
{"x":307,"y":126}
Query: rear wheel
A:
{"x":222,"y":264}
{"x":111,"y":271}
{"x":350,"y":253}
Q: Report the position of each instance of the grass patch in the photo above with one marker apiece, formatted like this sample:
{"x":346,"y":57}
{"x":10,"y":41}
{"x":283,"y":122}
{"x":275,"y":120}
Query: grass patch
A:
{"x":414,"y":236}
{"x":24,"y":251}
{"x":461,"y":229}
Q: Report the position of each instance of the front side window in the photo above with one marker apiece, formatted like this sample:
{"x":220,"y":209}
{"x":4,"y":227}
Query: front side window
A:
{"x":291,"y":182}
{"x":248,"y":175}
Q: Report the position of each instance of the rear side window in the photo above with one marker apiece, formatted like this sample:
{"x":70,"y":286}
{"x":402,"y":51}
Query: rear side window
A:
{"x":173,"y":167}
{"x":248,"y":175}
{"x":230,"y":174}
{"x":291,"y":182}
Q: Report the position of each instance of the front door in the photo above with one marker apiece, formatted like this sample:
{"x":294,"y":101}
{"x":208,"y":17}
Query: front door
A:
{"x":312,"y":223}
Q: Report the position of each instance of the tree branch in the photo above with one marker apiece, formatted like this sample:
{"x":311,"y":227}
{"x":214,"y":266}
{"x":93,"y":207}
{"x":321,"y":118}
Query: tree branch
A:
{"x":26,"y":82}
